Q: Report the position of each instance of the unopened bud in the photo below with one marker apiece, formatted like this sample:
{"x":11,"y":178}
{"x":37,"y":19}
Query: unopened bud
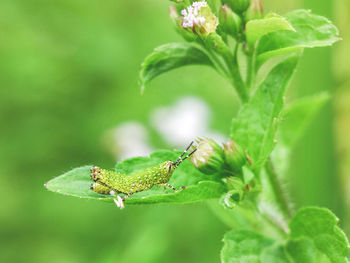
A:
{"x":208,"y":157}
{"x":255,"y":10}
{"x":239,"y":6}
{"x":199,"y":18}
{"x":173,"y":14}
{"x":230,"y":22}
{"x":235,"y":156}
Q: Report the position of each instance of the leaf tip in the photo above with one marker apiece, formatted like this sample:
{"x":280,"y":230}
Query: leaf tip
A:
{"x":142,"y":89}
{"x":47,"y":185}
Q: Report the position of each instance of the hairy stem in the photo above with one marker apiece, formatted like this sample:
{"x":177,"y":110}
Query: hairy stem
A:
{"x":280,"y":195}
{"x":279,"y":225}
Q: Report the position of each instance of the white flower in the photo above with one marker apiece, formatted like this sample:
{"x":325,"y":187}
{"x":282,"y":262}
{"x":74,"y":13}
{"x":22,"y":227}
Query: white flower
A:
{"x":199,"y":18}
{"x":192,"y":15}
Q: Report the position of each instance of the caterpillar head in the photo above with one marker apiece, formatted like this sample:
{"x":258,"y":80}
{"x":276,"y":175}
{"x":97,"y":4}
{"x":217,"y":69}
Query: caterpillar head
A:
{"x":95,"y":173}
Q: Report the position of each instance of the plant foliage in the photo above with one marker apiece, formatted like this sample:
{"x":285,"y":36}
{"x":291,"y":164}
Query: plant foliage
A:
{"x":244,"y":177}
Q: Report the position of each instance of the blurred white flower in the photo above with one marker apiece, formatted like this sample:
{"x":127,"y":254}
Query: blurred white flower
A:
{"x":129,"y":139}
{"x":181,"y":123}
{"x":178,"y":124}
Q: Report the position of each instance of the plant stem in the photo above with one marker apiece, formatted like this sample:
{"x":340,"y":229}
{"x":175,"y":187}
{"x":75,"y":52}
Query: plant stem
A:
{"x":218,"y":63}
{"x":250,"y":62}
{"x":280,"y":195}
{"x":231,"y":70}
{"x":280,"y":226}
{"x":237,"y":82}
{"x":236,"y":78}
{"x":219,"y":66}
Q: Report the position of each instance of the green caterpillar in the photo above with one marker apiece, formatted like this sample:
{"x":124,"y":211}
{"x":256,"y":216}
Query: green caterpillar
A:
{"x":113,"y":183}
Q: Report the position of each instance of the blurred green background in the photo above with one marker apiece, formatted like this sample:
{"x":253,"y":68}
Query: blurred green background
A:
{"x":69,"y":73}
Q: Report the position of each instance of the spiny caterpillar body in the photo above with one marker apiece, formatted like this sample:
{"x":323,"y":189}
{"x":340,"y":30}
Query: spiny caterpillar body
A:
{"x":113,"y":183}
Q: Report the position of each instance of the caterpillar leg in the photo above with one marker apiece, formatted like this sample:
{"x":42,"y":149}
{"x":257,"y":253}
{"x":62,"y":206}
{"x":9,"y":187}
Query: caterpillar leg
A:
{"x":130,"y":192}
{"x":117,"y":200}
{"x":165,"y":185}
{"x":101,"y":189}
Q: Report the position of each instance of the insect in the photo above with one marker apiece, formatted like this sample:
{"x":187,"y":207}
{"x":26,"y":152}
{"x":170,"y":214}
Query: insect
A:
{"x":114,"y":183}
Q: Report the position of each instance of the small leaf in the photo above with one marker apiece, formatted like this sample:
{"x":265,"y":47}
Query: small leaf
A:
{"x":302,"y":250}
{"x":257,"y":28}
{"x":254,"y":127}
{"x":248,"y":175}
{"x":310,"y":31}
{"x":243,"y":246}
{"x":171,"y":56}
{"x":320,"y":226}
{"x":198,"y":186}
{"x":297,"y":116}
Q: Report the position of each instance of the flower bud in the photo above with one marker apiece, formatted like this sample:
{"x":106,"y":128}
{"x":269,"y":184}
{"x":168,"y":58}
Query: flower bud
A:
{"x":255,"y":10}
{"x":239,"y":6}
{"x":235,"y":156}
{"x":199,"y":18}
{"x":173,"y":14}
{"x":208,"y":157}
{"x":230,"y":22}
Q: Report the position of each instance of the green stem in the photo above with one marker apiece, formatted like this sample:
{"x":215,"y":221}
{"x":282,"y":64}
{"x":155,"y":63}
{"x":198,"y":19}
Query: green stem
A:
{"x":250,"y":62}
{"x":245,"y":216}
{"x":218,"y":63}
{"x":215,"y":43}
{"x":280,"y":227}
{"x":280,"y":195}
{"x":219,"y":66}
{"x":235,"y":75}
{"x":238,"y":84}
{"x":251,"y":74}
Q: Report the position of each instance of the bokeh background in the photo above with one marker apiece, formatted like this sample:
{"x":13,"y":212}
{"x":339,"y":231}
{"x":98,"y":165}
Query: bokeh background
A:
{"x":69,"y":93}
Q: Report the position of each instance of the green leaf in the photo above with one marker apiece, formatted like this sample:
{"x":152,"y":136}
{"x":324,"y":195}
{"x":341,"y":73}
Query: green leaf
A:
{"x":198,"y":186}
{"x":171,"y":56}
{"x":319,"y":225}
{"x":298,"y":115}
{"x":276,"y":254}
{"x":254,"y":127}
{"x":248,"y":175}
{"x":243,"y":246}
{"x":310,"y":31}
{"x":257,"y":28}
{"x":302,"y":250}
{"x":314,"y":238}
